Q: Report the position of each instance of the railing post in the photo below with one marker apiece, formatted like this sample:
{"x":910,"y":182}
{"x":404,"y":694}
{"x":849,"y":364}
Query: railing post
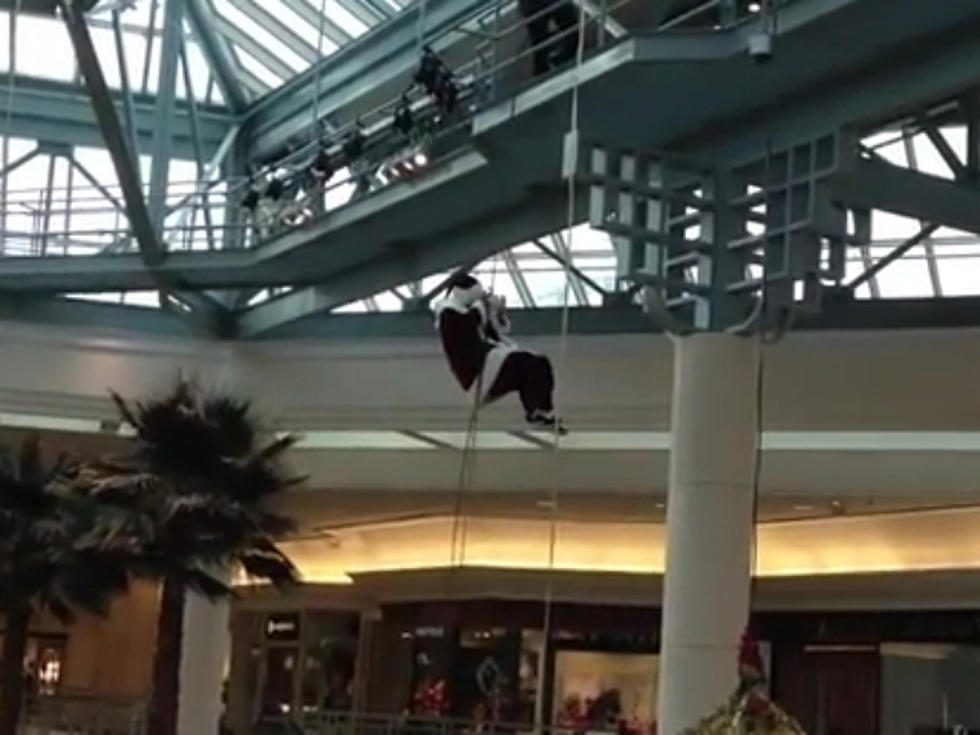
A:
{"x":603,"y":12}
{"x":496,"y":48}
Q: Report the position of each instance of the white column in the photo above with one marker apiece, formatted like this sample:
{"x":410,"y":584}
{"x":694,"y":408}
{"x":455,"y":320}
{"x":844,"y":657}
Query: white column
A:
{"x":204,"y":651}
{"x":709,"y":525}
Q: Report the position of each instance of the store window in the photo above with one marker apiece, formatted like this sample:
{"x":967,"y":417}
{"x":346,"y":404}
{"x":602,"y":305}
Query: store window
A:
{"x":605,"y":691}
{"x":930,"y":689}
{"x":44,"y":662}
{"x":301,"y":665}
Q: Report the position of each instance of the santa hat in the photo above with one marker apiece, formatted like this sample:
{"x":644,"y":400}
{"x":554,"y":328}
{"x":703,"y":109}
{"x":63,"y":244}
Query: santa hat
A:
{"x":465,"y":289}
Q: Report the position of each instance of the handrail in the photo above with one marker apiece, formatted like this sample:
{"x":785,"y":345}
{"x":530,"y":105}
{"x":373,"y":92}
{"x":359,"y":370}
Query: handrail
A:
{"x":478,"y":82}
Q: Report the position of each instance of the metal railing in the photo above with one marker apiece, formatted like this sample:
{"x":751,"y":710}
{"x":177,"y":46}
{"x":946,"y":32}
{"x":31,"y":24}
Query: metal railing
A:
{"x":67,"y":714}
{"x":208,"y":215}
{"x":348,"y":723}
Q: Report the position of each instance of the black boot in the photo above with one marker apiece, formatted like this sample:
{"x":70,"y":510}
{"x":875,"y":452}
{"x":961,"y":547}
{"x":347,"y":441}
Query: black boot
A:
{"x":546,"y":420}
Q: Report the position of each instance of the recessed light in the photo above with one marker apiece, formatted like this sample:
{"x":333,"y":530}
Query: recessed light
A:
{"x":754,"y":7}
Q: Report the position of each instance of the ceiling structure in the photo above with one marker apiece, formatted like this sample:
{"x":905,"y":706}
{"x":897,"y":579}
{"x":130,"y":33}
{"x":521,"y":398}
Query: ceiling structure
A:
{"x":246,"y":80}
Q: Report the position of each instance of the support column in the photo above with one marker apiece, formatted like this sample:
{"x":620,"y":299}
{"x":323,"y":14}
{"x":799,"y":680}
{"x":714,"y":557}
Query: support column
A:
{"x":709,"y":525}
{"x":204,"y":651}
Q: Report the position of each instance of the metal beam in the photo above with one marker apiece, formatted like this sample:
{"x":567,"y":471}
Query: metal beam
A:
{"x":57,"y":112}
{"x":440,"y":254}
{"x":115,"y":140}
{"x":253,"y":48}
{"x":389,"y":53}
{"x":837,"y":314}
{"x":369,"y":13}
{"x":876,"y":185}
{"x":576,"y":273}
{"x":203,"y":172}
{"x":913,"y":161}
{"x":293,"y":40}
{"x":127,"y":92}
{"x":659,"y":10}
{"x":894,"y":86}
{"x":922,"y":235}
{"x":337,"y":35}
{"x":83,"y":314}
{"x":840,"y":312}
{"x":223,"y":66}
{"x":207,"y":313}
{"x":945,"y":150}
{"x":520,"y":283}
{"x":173,"y":23}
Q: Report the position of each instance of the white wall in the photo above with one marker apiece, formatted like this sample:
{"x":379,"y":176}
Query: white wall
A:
{"x":818,"y":380}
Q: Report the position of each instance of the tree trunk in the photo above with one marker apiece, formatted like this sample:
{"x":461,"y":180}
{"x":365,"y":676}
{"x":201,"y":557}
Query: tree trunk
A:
{"x":162,"y":716}
{"x":12,"y":669}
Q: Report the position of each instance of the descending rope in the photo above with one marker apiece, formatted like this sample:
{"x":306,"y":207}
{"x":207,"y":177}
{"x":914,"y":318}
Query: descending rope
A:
{"x":315,"y":125}
{"x":5,"y":160}
{"x":553,"y":508}
{"x":468,"y":462}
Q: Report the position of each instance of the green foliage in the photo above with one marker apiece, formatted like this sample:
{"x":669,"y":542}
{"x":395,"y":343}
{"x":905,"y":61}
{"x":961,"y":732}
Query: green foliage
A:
{"x":52,"y":556}
{"x":194,"y":491}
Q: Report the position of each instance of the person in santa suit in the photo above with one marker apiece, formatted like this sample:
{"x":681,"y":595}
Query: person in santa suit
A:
{"x":473,"y":326}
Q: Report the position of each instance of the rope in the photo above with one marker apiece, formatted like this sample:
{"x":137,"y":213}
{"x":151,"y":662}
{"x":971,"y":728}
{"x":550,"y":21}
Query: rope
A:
{"x":549,"y":592}
{"x":420,"y":29}
{"x":770,"y":22}
{"x":12,"y":67}
{"x":315,"y":125}
{"x":468,"y":463}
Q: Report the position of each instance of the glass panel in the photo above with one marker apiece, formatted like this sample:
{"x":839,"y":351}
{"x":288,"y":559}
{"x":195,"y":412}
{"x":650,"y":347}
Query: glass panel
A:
{"x":277,"y":687}
{"x":605,"y":691}
{"x":929,"y":689}
{"x":331,"y":651}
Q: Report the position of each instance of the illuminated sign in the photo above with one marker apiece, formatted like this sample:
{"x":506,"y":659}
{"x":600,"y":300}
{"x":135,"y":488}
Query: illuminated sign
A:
{"x":282,"y":627}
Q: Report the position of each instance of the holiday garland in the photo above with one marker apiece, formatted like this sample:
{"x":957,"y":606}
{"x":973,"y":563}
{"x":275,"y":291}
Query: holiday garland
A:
{"x":749,"y":710}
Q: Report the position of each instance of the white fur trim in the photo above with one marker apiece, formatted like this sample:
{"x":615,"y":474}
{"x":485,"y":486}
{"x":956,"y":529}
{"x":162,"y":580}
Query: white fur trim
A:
{"x":491,"y":368}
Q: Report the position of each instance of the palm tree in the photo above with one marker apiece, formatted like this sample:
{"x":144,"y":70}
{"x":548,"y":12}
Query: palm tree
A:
{"x":51,"y":559}
{"x":194,"y":492}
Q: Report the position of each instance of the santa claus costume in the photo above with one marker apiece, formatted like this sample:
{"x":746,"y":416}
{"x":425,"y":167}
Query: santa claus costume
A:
{"x":474,"y":326}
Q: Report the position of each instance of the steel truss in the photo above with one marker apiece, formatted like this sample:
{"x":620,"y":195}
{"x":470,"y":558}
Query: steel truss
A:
{"x":715,"y":229}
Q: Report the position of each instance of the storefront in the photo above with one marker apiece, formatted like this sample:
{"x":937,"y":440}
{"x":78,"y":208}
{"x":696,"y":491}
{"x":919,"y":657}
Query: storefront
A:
{"x":840,"y":674}
{"x":292,"y":664}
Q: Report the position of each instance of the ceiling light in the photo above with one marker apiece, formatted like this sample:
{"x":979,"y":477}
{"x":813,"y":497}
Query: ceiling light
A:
{"x":755,"y":7}
{"x":804,"y":508}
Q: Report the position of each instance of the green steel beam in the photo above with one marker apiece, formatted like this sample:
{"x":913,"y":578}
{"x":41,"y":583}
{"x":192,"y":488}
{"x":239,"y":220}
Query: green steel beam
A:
{"x":173,"y":24}
{"x":481,"y":239}
{"x":206,"y":312}
{"x":62,"y":113}
{"x":115,"y":141}
{"x":331,"y":31}
{"x":389,"y":52}
{"x":839,"y":313}
{"x":224,"y":68}
{"x":93,"y":315}
{"x":265,"y":56}
{"x":279,"y":28}
{"x":893,"y":87}
{"x":877,"y":185}
{"x":659,"y":10}
{"x":445,"y":207}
